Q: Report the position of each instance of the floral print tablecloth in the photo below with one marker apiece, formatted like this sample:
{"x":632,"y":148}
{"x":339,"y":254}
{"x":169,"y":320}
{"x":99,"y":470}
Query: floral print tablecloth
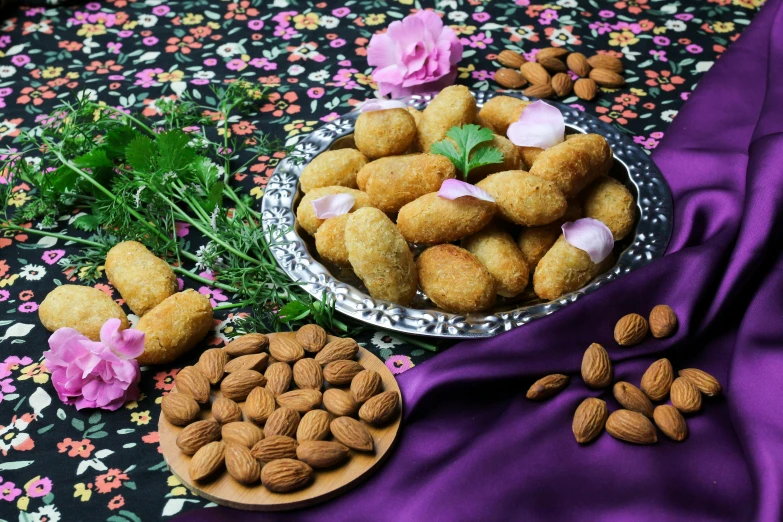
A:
{"x":60,"y":464}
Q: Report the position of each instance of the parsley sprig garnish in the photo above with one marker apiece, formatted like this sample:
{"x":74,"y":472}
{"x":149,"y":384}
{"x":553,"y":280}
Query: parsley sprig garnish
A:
{"x":471,"y":150}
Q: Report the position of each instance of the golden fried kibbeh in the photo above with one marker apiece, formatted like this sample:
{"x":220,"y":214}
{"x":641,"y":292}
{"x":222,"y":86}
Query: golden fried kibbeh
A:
{"x":82,"y":308}
{"x":534,"y":242}
{"x":565,"y":268}
{"x":380,"y":257}
{"x":453,"y":106}
{"x":142,"y":279}
{"x":501,"y":111}
{"x":333,"y":167}
{"x":455,"y":280}
{"x":389,"y":132}
{"x":497,"y":251}
{"x":525,"y":199}
{"x":575,"y":163}
{"x":391,"y":189}
{"x":609,"y":201}
{"x":432,"y":219}
{"x":330,"y":240}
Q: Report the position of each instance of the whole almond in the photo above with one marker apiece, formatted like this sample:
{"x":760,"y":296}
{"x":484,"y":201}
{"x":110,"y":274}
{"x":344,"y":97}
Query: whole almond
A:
{"x":539,"y":91}
{"x":380,"y":409}
{"x":247,"y":344}
{"x":191,"y":381}
{"x":179,"y":409}
{"x":632,"y":398}
{"x":631,"y":426}
{"x":273,"y":448}
{"x":244,"y":433}
{"x":255,"y":361}
{"x":547,"y":387}
{"x":340,"y":403}
{"x":551,"y":64}
{"x":685,"y":395}
{"x":562,"y":84}
{"x":314,"y":426}
{"x":300,"y":400}
{"x":241,"y":465}
{"x":212,"y":363}
{"x":585,"y":88}
{"x":706,"y":383}
{"x":589,"y":420}
{"x":196,"y":435}
{"x":352,"y":433}
{"x":259,"y":405}
{"x":366,"y":384}
{"x":657,"y":380}
{"x":552,"y":52}
{"x":284,"y":475}
{"x":283,"y":421}
{"x":607,"y":78}
{"x":663,"y":321}
{"x":342,"y":372}
{"x":535,"y":73}
{"x":278,"y":378}
{"x":509,"y":78}
{"x":238,"y":385}
{"x":671,"y":422}
{"x":308,"y":374}
{"x":225,"y":410}
{"x":630,"y":329}
{"x":207,"y":460}
{"x":311,"y":337}
{"x":578,"y":63}
{"x":285,"y":349}
{"x":321,"y":453}
{"x":603,"y":61}
{"x":596,"y":367}
{"x":511,"y":59}
{"x":336,"y":350}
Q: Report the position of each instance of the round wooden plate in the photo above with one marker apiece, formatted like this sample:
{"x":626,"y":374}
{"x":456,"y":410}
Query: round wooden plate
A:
{"x":327,"y":484}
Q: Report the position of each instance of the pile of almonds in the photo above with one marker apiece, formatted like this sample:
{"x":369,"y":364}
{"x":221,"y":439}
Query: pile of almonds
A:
{"x":634,"y":422}
{"x":276,"y":426}
{"x":548,"y":76}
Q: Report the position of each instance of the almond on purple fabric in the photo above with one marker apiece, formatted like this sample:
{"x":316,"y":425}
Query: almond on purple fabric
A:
{"x":706,"y":383}
{"x":596,"y":367}
{"x":671,"y":422}
{"x":632,"y":398}
{"x":631,"y":426}
{"x":685,"y":395}
{"x":589,"y":420}
{"x":547,"y":387}
{"x":657,"y":380}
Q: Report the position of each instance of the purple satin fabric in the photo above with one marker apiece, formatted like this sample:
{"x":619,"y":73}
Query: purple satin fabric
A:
{"x":473,"y":448}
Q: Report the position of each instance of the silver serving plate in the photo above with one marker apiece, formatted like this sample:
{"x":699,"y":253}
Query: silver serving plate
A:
{"x":295,"y":250}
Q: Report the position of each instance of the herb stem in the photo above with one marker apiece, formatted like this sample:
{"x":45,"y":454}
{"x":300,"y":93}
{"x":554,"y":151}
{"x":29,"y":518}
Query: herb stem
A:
{"x":132,"y":118}
{"x":51,"y":234}
{"x":204,"y":280}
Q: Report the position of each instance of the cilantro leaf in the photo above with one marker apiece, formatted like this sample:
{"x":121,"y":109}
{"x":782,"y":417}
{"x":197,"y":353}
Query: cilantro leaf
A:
{"x":484,"y":155}
{"x":175,"y":155}
{"x":95,"y":159}
{"x":117,"y":139}
{"x":140,"y":154}
{"x":469,"y":153}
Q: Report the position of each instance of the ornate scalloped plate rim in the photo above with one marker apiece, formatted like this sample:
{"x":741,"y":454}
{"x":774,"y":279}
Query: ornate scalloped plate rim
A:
{"x":652,"y":235}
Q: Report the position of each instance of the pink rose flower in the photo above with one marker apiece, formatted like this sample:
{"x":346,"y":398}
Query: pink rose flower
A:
{"x":91,"y":374}
{"x":417,"y":54}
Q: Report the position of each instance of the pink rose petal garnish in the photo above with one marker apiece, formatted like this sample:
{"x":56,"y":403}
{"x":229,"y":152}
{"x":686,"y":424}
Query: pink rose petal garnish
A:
{"x":590,"y":235}
{"x":454,"y":188}
{"x":333,"y":205}
{"x":91,"y":374}
{"x":381,"y":105}
{"x":540,"y":125}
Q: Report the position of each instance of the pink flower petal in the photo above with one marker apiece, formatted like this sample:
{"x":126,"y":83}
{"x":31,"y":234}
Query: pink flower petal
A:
{"x":590,"y":235}
{"x":454,"y":188}
{"x":127,"y":343}
{"x":381,"y":105}
{"x":333,"y":205}
{"x":540,"y":125}
{"x":413,"y":54}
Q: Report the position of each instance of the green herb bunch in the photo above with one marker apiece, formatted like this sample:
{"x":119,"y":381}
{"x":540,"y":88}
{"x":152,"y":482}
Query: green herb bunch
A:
{"x":126,"y":178}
